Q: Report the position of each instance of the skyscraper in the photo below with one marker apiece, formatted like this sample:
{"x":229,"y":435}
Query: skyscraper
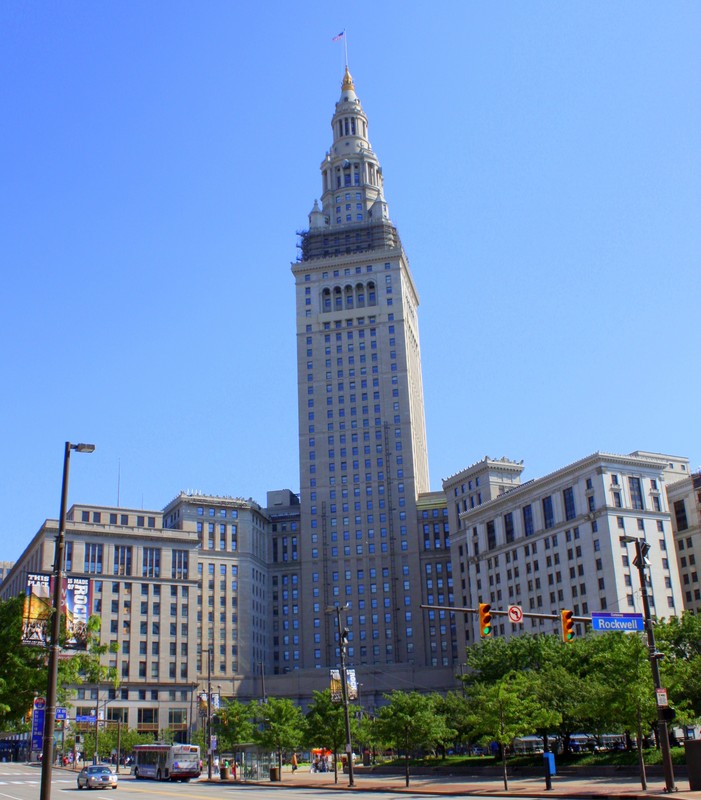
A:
{"x":362,"y":436}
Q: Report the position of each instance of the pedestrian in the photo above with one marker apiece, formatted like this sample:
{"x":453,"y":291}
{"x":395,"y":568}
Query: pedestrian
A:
{"x":294,"y":762}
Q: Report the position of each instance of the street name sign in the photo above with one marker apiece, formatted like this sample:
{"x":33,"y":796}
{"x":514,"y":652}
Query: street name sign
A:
{"x":617,"y":622}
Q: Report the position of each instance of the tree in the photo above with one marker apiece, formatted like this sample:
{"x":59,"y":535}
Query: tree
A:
{"x":679,"y":638}
{"x":453,"y":707}
{"x":625,"y":670}
{"x":325,"y":725}
{"x":233,"y":724}
{"x":410,"y":722}
{"x":281,"y":723}
{"x":507,"y":709}
{"x":22,"y":668}
{"x":85,"y":666}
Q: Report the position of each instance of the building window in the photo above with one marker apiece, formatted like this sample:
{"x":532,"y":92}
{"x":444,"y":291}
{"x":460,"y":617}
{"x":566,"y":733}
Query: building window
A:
{"x":122,"y":559}
{"x":568,"y":497}
{"x":548,"y":516}
{"x":636,"y":493}
{"x":151,"y":566}
{"x":680,"y":515}
{"x":93,"y":559}
{"x":179,"y":569}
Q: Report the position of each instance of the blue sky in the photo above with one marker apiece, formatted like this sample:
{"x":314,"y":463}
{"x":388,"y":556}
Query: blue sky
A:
{"x":542,"y":162}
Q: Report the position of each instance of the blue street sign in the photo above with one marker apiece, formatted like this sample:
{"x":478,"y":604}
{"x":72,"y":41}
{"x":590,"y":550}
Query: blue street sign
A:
{"x":61,"y":713}
{"x":617,"y":622}
{"x":85,"y":718}
{"x":38,"y":728}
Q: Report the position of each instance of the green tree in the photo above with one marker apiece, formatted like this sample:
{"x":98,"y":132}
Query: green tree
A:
{"x":22,"y":668}
{"x":410,"y":722}
{"x":626,"y":676}
{"x":679,"y":638}
{"x":507,"y":709}
{"x":454,"y":707}
{"x":280,"y":726}
{"x":233,"y":724}
{"x":325,"y":725}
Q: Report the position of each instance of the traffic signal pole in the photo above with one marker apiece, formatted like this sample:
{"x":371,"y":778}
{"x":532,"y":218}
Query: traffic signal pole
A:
{"x":497,"y":612}
{"x":641,"y":549}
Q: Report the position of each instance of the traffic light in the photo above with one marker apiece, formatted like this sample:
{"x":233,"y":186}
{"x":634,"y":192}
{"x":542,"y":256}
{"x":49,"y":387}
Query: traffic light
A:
{"x":485,"y":620}
{"x":567,"y":625}
{"x":669,"y":714}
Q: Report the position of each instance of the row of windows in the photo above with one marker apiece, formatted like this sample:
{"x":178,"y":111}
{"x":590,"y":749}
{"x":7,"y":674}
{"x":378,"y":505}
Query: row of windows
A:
{"x":142,"y":521}
{"x":212,"y":512}
{"x":93,"y":563}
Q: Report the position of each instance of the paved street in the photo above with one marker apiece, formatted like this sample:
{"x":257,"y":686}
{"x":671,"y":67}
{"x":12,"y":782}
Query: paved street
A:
{"x":21,"y":782}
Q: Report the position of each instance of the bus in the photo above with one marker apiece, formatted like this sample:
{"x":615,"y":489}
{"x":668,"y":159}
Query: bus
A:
{"x":166,"y":762}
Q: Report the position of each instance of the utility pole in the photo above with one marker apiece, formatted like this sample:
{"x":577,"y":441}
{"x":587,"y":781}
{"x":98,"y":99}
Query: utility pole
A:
{"x":47,"y":751}
{"x":342,"y":639}
{"x":641,"y":550}
{"x":210,"y":752}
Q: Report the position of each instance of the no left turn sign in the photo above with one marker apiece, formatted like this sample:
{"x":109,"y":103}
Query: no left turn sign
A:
{"x":515,"y":614}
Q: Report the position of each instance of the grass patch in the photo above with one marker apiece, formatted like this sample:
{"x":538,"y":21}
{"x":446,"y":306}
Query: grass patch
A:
{"x":619,"y":758}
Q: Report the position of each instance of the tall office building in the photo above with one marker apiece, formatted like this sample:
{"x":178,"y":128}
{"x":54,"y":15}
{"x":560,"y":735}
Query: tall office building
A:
{"x":362,"y":437}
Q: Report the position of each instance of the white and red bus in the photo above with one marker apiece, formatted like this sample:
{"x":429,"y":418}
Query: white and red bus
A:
{"x":166,"y":762}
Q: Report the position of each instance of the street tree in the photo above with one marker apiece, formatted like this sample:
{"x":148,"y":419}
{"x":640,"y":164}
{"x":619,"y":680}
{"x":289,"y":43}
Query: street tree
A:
{"x":325,"y":725}
{"x":507,"y":709}
{"x":22,"y":668}
{"x":409,"y":723}
{"x":280,"y":724}
{"x":233,"y":724}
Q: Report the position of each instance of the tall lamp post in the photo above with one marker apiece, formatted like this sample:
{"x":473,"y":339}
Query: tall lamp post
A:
{"x":210,"y":749}
{"x":342,"y":639}
{"x":641,"y":550}
{"x":47,"y":752}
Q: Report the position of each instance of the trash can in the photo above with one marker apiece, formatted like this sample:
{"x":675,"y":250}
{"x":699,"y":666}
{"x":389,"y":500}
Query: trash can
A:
{"x":692,"y":751}
{"x":224,"y":773}
{"x":274,"y":773}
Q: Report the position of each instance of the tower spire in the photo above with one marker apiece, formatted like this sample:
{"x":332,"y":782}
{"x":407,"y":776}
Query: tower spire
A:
{"x":347,"y":83}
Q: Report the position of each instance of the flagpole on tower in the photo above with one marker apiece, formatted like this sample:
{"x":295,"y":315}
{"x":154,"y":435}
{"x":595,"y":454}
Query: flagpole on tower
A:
{"x":342,"y":35}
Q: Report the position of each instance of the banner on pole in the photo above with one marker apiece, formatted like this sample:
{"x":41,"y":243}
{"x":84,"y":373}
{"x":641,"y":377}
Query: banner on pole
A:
{"x":76,"y":602}
{"x":37,"y":610}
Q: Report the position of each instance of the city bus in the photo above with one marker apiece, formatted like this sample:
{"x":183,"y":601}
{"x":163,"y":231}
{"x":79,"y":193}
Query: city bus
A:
{"x":166,"y":762}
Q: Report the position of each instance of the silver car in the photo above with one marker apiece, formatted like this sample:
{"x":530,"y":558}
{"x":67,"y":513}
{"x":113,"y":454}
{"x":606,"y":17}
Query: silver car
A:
{"x":95,"y":777}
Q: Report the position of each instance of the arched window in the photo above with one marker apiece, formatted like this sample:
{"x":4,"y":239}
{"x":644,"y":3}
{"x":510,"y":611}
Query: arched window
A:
{"x":337,"y":299}
{"x":360,"y":295}
{"x":348,"y":290}
{"x":372,"y":296}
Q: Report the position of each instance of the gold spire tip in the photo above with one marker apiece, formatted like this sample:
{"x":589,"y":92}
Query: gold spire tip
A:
{"x":347,"y":81}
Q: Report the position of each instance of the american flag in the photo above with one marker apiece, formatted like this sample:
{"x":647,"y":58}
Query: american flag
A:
{"x":340,"y":36}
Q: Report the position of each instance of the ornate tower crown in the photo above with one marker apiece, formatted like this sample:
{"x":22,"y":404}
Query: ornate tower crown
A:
{"x":352,"y":184}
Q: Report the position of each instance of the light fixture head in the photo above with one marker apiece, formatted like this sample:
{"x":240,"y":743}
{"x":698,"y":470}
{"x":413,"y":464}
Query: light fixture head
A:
{"x":83,"y":448}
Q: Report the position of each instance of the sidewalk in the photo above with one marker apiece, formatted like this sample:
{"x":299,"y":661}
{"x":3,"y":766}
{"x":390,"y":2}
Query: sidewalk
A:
{"x":562,"y":787}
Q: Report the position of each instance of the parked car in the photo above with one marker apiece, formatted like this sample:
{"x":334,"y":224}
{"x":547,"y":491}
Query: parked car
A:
{"x":96,"y":776}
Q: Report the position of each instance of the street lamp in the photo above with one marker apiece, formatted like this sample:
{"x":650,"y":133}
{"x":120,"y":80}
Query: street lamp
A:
{"x":47,"y":752}
{"x":640,"y":561}
{"x":210,"y":749}
{"x":342,"y":640}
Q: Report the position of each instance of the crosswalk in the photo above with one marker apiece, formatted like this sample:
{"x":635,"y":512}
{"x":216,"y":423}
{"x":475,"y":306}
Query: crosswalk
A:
{"x":29,"y":778}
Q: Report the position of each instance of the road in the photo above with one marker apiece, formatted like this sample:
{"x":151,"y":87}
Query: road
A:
{"x":22,"y":782}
